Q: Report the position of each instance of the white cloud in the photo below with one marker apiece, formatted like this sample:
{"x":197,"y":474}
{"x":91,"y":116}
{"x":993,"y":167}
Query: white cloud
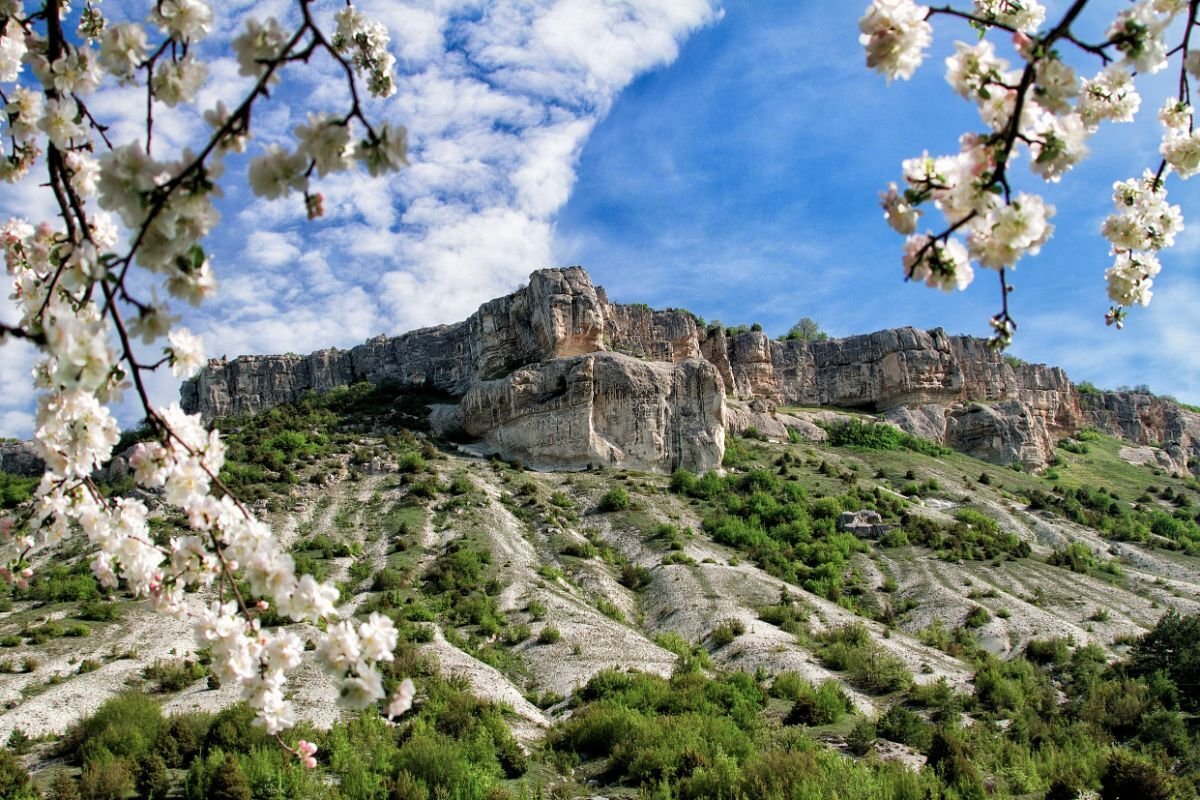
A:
{"x":271,"y":248}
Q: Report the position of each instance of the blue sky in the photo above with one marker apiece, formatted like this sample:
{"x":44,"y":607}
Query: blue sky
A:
{"x":724,"y":157}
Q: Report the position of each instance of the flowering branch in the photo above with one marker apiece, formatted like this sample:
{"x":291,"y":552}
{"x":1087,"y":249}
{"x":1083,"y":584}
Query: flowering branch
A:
{"x":1045,"y":109}
{"x":73,"y":291}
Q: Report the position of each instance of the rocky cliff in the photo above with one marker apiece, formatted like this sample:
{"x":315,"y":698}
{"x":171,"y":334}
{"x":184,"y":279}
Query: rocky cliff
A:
{"x":558,"y":376}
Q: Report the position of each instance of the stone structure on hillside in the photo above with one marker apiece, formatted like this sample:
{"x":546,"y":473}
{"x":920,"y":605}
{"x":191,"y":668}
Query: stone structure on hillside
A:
{"x":557,"y":376}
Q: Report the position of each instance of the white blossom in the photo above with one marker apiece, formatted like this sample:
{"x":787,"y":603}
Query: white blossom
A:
{"x":85,"y":172}
{"x":1010,"y":231}
{"x":261,"y":42}
{"x":401,"y":701}
{"x":75,"y":434}
{"x":326,"y":141}
{"x":975,"y":71}
{"x":25,"y":111}
{"x":1137,"y":33}
{"x":186,"y":353}
{"x":895,"y":35}
{"x":122,"y":49}
{"x":1023,"y":15}
{"x":899,"y":213}
{"x":1055,"y":86}
{"x":368,"y":40}
{"x":1144,"y":220}
{"x":1130,"y":278}
{"x":1111,"y":95}
{"x":1182,"y":151}
{"x":277,"y":172}
{"x":1058,"y":143}
{"x":387,"y":153}
{"x":362,"y":688}
{"x":184,"y":20}
{"x":177,"y":82}
{"x":61,"y":123}
{"x":377,"y":637}
{"x":1175,"y":115}
{"x":75,"y":72}
{"x":12,"y":51}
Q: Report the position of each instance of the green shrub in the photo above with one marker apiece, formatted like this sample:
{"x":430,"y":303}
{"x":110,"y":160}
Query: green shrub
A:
{"x":228,"y":782}
{"x":125,"y":727}
{"x":173,"y":676}
{"x":907,"y":727}
{"x":14,"y":778}
{"x":726,"y":631}
{"x":977,"y":617}
{"x":850,"y":649}
{"x":96,"y":611}
{"x":549,"y":635}
{"x":862,"y":737}
{"x":822,"y":706}
{"x":152,"y":779}
{"x":106,"y":779}
{"x":63,"y":787}
{"x":615,"y":499}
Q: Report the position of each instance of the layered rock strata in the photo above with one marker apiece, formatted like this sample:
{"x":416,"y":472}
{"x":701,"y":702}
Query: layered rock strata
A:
{"x":518,"y":363}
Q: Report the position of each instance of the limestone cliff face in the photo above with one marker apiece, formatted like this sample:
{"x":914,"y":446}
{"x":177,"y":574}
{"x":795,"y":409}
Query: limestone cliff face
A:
{"x":526,"y":364}
{"x":601,"y":409}
{"x":20,"y":458}
{"x":1144,"y":419}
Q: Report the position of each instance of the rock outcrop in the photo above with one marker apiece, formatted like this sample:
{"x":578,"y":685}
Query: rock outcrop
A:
{"x":1144,"y":419}
{"x":601,"y":409}
{"x":528,"y":371}
{"x":20,"y":458}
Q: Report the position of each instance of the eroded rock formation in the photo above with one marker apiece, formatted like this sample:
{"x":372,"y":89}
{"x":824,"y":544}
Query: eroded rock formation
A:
{"x":558,"y":376}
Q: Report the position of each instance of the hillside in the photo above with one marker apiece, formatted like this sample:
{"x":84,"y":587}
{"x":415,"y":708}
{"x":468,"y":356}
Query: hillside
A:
{"x":966,"y":620}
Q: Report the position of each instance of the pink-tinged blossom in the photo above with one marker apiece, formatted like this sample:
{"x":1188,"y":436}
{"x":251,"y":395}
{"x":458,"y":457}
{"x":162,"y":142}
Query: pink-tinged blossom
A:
{"x":307,"y":752}
{"x":939,"y":263}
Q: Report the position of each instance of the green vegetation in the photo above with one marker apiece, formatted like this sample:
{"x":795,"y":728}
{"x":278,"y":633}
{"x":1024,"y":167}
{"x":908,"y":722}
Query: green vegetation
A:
{"x":879,"y":436}
{"x":615,"y":499}
{"x":1099,"y":509}
{"x":805,"y":330}
{"x":268,"y":453}
{"x":15,"y":489}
